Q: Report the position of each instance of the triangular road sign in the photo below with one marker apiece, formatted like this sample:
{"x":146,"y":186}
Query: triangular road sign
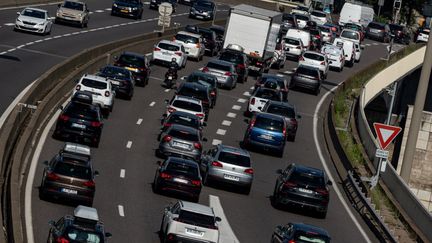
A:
{"x":385,"y":133}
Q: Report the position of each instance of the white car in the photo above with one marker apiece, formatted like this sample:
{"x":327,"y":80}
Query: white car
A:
{"x":302,"y":20}
{"x":189,"y":222}
{"x":101,"y":89}
{"x":293,"y":47}
{"x":33,"y":20}
{"x":315,"y":59}
{"x":166,"y":50}
{"x":357,"y":52}
{"x":335,"y":56}
{"x":423,"y":35}
{"x":185,"y":104}
{"x":320,"y":17}
{"x":193,"y":44}
{"x":326,"y":33}
{"x":260,"y":97}
{"x":303,"y":35}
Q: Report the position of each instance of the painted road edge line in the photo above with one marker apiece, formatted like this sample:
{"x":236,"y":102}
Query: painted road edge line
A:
{"x":226,"y":232}
{"x":121,"y":210}
{"x":326,"y":168}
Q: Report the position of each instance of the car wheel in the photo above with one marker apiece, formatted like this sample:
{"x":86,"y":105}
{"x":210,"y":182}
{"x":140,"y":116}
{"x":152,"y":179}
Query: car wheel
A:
{"x":247,"y":190}
{"x":275,"y":198}
{"x":195,"y":198}
{"x":155,"y":186}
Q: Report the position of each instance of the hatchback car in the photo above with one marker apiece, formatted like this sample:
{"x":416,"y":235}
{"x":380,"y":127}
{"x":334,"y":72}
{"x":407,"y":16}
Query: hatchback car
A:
{"x":186,"y":104}
{"x":327,"y":34}
{"x":69,"y":176}
{"x":122,"y":80}
{"x":165,"y":51}
{"x":299,"y":232}
{"x":302,"y":186}
{"x":266,"y":131}
{"x":307,"y":77}
{"x":180,"y":118}
{"x":315,"y":59}
{"x":83,"y":226}
{"x":293,"y":48}
{"x":206,"y":79}
{"x":224,"y":71}
{"x":240,"y":61}
{"x":193,"y":44}
{"x":352,"y":35}
{"x":281,"y":81}
{"x":260,"y":97}
{"x":378,"y":31}
{"x":197,"y":91}
{"x":33,"y":20}
{"x":356,"y":27}
{"x":335,"y":56}
{"x":73,"y":12}
{"x":320,"y":17}
{"x":189,"y":222}
{"x":181,"y":141}
{"x":180,"y":176}
{"x":137,"y":64}
{"x":227,"y":165}
{"x":203,"y":9}
{"x":289,"y":112}
{"x":80,"y":120}
{"x":400,"y":33}
{"x":128,"y":8}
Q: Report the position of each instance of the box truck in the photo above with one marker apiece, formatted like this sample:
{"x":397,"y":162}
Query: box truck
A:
{"x":256,"y":30}
{"x":356,"y":12}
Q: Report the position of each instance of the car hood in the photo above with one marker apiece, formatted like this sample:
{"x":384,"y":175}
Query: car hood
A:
{"x":70,"y":11}
{"x":31,"y":19}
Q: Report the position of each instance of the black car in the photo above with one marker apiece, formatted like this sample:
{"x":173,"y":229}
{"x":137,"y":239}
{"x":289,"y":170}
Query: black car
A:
{"x":197,"y":91}
{"x":400,"y":33}
{"x":137,"y":64}
{"x":80,"y":227}
{"x":205,"y":79}
{"x":69,"y":176}
{"x":80,"y":120}
{"x":302,"y":186}
{"x":282,"y":83}
{"x":240,"y":61}
{"x":299,"y":232}
{"x":180,"y":118}
{"x":286,"y":110}
{"x":180,"y":176}
{"x":121,"y":79}
{"x":203,"y":9}
{"x":219,"y":30}
{"x":154,"y":4}
{"x":128,"y":8}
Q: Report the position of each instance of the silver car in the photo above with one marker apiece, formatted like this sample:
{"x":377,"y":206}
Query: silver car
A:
{"x":224,"y":71}
{"x":181,"y":141}
{"x":228,"y":165}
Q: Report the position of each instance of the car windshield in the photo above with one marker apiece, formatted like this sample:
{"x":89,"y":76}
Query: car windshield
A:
{"x":94,"y":83}
{"x":181,"y":168}
{"x":33,"y":13}
{"x":168,"y":47}
{"x":183,"y":120}
{"x":307,"y":71}
{"x":350,"y":35}
{"x":269,"y":124}
{"x":81,"y":111}
{"x":197,"y":219}
{"x":235,"y":159}
{"x":185,"y":135}
{"x":303,"y":177}
{"x":79,"y":235}
{"x":218,"y":66}
{"x":291,"y":41}
{"x":310,"y":237}
{"x":187,"y":39}
{"x":132,"y":60}
{"x":318,"y":14}
{"x":267,"y":94}
{"x":73,"y":170}
{"x":200,"y":94}
{"x":313,"y":56}
{"x":182,"y":104}
{"x":115,"y":72}
{"x":202,"y":79}
{"x":204,"y":4}
{"x":73,"y":5}
{"x":302,"y":17}
{"x":281,"y":110}
{"x":373,"y":25}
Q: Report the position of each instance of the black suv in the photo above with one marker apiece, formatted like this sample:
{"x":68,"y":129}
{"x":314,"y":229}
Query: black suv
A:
{"x":197,"y":91}
{"x":302,"y":186}
{"x":297,"y":232}
{"x":240,"y":61}
{"x":121,"y":79}
{"x":80,"y":227}
{"x":211,"y":43}
{"x":128,"y":8}
{"x":137,"y":64}
{"x":205,"y":79}
{"x":69,"y":176}
{"x":80,"y":120}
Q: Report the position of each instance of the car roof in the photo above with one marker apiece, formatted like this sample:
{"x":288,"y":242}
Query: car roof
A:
{"x":221,"y":62}
{"x":234,"y":150}
{"x":95,"y":77}
{"x":77,"y":149}
{"x":280,"y":103}
{"x":129,"y":53}
{"x":309,"y":227}
{"x":269,"y":116}
{"x":86,"y":213}
{"x":308,"y":169}
{"x":188,"y":99}
{"x":170,"y":43}
{"x":193,"y":85}
{"x":173,"y":159}
{"x":197,"y":208}
{"x":183,"y":128}
{"x":189,"y":33}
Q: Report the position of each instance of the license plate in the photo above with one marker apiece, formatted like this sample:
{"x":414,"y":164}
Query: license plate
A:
{"x":194,"y":232}
{"x":181,"y":145}
{"x":124,"y":11}
{"x":180,"y":180}
{"x":231,"y":178}
{"x":305,"y":190}
{"x":76,"y":125}
{"x":69,"y":191}
{"x":266,"y":136}
{"x":115,"y":82}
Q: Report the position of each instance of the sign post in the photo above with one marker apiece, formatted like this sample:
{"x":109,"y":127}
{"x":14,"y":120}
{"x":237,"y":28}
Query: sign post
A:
{"x":380,"y":4}
{"x":165,"y":11}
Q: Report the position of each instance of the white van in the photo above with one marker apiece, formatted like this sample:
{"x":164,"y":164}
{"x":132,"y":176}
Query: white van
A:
{"x":349,"y":50}
{"x":356,"y":13}
{"x":303,"y":35}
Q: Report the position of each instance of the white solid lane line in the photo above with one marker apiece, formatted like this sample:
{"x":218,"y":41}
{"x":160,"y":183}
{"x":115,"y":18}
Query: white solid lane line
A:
{"x":225,"y":230}
{"x":326,"y":168}
{"x":139,"y":121}
{"x":122,"y":173}
{"x":121,"y":210}
{"x":216,"y":141}
{"x":129,"y":144}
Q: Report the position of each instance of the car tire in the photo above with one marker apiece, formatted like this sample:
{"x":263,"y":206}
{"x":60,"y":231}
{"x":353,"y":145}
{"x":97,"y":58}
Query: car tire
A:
{"x":42,"y":195}
{"x":317,"y":91}
{"x":247,"y":189}
{"x":195,"y":198}
{"x":155,"y":187}
{"x":161,"y":233}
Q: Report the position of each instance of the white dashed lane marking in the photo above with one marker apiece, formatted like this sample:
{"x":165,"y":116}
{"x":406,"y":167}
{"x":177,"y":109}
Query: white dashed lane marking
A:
{"x":122,"y":173}
{"x":129,"y":144}
{"x":252,"y":87}
{"x":240,"y":100}
{"x":108,"y":9}
{"x":121,"y":210}
{"x":226,"y":123}
{"x":139,"y":121}
{"x":236,"y":107}
{"x":216,"y":141}
{"x":221,"y":132}
{"x":99,"y":11}
{"x":246,"y":93}
{"x":152,"y":104}
{"x":167,"y":90}
{"x":231,"y":115}
{"x":9,"y":24}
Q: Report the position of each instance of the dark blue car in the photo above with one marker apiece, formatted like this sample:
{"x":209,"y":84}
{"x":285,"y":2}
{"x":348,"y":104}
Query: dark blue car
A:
{"x":127,"y":8}
{"x":266,"y":131}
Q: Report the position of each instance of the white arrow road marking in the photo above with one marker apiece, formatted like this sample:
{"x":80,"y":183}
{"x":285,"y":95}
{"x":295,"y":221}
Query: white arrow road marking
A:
{"x":225,"y":230}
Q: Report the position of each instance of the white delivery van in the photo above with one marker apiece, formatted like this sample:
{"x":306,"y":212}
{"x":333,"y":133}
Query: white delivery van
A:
{"x":356,"y":13}
{"x":349,"y":50}
{"x":303,"y":35}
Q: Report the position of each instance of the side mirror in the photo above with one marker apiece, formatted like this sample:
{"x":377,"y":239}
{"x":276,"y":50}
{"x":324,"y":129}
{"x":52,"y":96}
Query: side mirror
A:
{"x":18,"y":13}
{"x":205,"y":139}
{"x":96,"y":173}
{"x":218,"y":219}
{"x":51,"y":223}
{"x":279,"y":171}
{"x":329,"y":182}
{"x":108,"y":234}
{"x":183,"y":78}
{"x":45,"y":162}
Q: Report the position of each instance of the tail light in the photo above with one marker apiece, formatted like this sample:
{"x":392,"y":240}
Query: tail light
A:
{"x":318,"y":37}
{"x":200,"y":115}
{"x":90,"y":183}
{"x":241,"y":66}
{"x":205,"y":69}
{"x":78,"y":87}
{"x":301,"y":58}
{"x":156,"y":49}
{"x":249,"y":171}
{"x":53,"y":176}
{"x":212,"y":93}
{"x":284,"y":131}
{"x":61,"y":239}
{"x":217,"y":164}
{"x":171,"y":110}
{"x":165,"y":175}
{"x":167,"y":124}
{"x":107,"y":93}
{"x":96,"y":124}
{"x":289,"y":185}
{"x":178,"y":53}
{"x":291,"y":241}
{"x":322,"y":63}
{"x":228,"y":73}
{"x":322,"y":191}
{"x":196,"y":182}
{"x":63,"y":118}
{"x":197,"y":146}
{"x":259,"y":63}
{"x":167,"y":138}
{"x":252,"y":101}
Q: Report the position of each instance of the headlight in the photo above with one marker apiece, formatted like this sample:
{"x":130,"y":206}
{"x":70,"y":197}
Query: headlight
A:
{"x":115,"y":5}
{"x":134,"y":8}
{"x":193,"y":9}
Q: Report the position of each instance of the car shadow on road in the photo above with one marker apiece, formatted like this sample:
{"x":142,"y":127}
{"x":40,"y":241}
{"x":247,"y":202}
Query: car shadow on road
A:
{"x":12,"y":58}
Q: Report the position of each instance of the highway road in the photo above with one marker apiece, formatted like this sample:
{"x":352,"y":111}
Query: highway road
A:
{"x":125,"y":157}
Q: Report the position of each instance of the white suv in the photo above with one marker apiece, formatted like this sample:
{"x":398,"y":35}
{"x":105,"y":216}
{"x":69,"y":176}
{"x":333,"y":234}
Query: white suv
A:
{"x":193,"y":44}
{"x":186,"y":221}
{"x":315,"y":59}
{"x":185,"y":104}
{"x":101,"y":89}
{"x":166,"y":50}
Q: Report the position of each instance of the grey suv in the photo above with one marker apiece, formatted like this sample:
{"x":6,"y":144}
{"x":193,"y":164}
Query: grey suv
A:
{"x":228,"y":165}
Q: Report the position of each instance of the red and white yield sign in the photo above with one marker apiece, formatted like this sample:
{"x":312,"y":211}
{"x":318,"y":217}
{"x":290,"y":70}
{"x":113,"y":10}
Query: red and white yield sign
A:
{"x":385,"y":133}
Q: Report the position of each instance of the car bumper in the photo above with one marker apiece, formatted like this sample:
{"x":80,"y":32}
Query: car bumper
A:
{"x":266,"y":146}
{"x":376,"y":36}
{"x":76,"y":135}
{"x":201,"y":15}
{"x":56,"y":192}
{"x":335,"y":64}
{"x":178,"y":188}
{"x":220,"y":176}
{"x":225,"y":82}
{"x":68,"y":20}
{"x":193,"y":53}
{"x":29,"y":28}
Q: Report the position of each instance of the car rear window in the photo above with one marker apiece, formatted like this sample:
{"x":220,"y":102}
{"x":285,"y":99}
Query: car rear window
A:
{"x":312,"y":237}
{"x":81,"y":111}
{"x":80,"y":234}
{"x":350,"y":35}
{"x":186,"y":39}
{"x":307,"y":178}
{"x":200,"y":94}
{"x":132,"y":60}
{"x":183,"y":169}
{"x":231,"y":57}
{"x":267,"y":94}
{"x":94,"y":83}
{"x":318,"y":14}
{"x":73,"y":170}
{"x":201,"y":220}
{"x":292,"y":41}
{"x":313,"y":56}
{"x":281,"y":110}
{"x":187,"y":105}
{"x":376,"y":26}
{"x":185,"y":135}
{"x":168,"y":47}
{"x":218,"y":66}
{"x":269,"y":124}
{"x":302,"y":17}
{"x":307,"y":71}
{"x":184,"y":120}
{"x":235,"y":159}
